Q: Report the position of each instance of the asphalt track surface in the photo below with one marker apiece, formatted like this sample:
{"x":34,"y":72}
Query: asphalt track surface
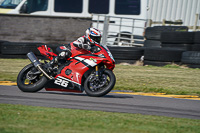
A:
{"x":112,"y":102}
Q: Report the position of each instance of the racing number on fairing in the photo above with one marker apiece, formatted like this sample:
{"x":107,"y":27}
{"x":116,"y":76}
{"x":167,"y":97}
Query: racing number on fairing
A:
{"x":61,"y":82}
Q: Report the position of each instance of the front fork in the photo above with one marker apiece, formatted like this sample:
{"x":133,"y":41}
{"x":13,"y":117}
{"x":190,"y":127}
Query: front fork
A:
{"x":97,"y":71}
{"x":98,"y":80}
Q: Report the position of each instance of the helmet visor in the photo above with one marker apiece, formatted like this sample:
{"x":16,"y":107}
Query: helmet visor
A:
{"x":96,"y":38}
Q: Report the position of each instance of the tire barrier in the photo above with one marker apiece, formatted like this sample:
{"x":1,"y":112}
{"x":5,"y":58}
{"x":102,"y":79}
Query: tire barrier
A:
{"x":186,"y":47}
{"x":177,"y":37}
{"x":153,"y":34}
{"x":191,"y":57}
{"x":195,"y":47}
{"x":177,"y":46}
{"x":152,"y":43}
{"x":197,"y":37}
{"x":20,"y":49}
{"x":163,"y":54}
{"x":163,"y":45}
{"x":126,"y":54}
{"x":1,"y":42}
{"x":177,"y":40}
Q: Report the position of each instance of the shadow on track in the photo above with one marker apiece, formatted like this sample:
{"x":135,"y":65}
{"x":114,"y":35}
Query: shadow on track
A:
{"x":109,"y":95}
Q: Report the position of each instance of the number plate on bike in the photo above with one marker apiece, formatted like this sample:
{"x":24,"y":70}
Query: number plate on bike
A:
{"x":61,"y":81}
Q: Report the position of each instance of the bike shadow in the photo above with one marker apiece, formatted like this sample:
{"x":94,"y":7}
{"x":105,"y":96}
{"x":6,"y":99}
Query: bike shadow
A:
{"x":109,"y":95}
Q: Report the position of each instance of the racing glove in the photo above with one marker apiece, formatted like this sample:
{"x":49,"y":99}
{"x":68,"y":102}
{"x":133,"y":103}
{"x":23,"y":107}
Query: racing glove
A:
{"x":86,"y":46}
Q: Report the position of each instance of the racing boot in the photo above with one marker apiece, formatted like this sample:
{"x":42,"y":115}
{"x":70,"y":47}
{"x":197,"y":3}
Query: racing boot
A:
{"x":52,"y":66}
{"x":54,"y":61}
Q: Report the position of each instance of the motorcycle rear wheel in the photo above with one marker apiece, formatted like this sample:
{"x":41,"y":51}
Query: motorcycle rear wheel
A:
{"x":26,"y":84}
{"x":105,"y":89}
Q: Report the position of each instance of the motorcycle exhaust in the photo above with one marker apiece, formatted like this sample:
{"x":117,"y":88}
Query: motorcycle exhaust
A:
{"x":37,"y":63}
{"x":33,"y":59}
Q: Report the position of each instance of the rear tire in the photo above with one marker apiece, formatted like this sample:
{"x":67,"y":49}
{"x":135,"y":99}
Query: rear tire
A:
{"x":33,"y":86}
{"x":104,"y":89}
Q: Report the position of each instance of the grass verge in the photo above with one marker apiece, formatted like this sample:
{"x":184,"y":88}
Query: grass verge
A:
{"x":170,"y":79}
{"x":10,"y":68}
{"x":29,"y":119}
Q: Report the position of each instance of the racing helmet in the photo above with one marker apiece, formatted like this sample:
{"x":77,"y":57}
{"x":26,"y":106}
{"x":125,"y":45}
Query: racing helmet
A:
{"x":93,"y":35}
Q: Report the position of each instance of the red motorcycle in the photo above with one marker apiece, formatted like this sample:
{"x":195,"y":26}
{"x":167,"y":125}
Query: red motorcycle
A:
{"x":89,"y":71}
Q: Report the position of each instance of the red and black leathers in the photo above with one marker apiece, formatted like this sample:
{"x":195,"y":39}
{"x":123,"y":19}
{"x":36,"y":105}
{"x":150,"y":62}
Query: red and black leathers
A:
{"x":65,"y":51}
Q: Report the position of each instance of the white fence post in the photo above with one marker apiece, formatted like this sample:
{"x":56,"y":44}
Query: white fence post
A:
{"x":105,"y":30}
{"x":195,"y":23}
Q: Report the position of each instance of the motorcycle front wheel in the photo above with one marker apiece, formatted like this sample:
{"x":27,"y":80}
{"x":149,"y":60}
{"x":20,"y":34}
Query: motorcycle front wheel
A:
{"x":99,"y":86}
{"x":30,"y":79}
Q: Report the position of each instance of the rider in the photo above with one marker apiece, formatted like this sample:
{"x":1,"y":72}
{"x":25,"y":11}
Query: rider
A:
{"x":87,"y":41}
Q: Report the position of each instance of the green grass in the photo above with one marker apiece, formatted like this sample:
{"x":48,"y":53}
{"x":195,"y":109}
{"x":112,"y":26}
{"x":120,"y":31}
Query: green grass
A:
{"x":9,"y":68}
{"x":29,"y":119}
{"x":170,"y":79}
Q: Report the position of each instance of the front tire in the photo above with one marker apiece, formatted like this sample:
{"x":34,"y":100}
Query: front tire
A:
{"x":30,"y":85}
{"x":103,"y":90}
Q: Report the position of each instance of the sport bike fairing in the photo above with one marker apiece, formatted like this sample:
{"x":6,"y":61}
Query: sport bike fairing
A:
{"x":72,"y":74}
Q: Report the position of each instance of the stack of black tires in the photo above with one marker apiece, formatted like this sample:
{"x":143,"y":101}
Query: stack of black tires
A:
{"x":126,"y":54}
{"x":192,"y":57}
{"x":153,"y":34}
{"x":162,"y":47}
{"x":20,"y":49}
{"x":177,"y":45}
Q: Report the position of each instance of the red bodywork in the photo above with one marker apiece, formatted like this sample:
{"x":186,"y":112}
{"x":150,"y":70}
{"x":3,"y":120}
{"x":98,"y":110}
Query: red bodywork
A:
{"x":81,"y":61}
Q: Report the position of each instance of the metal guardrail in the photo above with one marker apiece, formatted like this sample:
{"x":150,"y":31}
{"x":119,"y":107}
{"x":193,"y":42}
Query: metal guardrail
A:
{"x":120,"y":30}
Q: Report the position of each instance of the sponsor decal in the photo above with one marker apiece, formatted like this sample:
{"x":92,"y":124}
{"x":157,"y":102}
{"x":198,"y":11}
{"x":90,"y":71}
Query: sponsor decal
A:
{"x":92,"y":59}
{"x":87,"y":61}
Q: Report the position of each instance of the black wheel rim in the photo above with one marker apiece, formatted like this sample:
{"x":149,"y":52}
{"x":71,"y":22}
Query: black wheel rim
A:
{"x":97,"y":84}
{"x":27,"y":79}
